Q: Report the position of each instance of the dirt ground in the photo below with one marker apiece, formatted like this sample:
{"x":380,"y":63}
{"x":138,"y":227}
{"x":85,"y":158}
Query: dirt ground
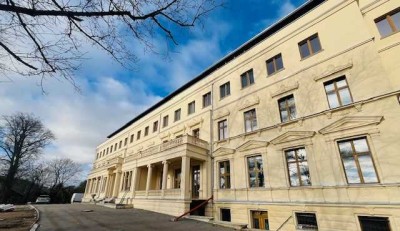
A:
{"x":21,"y":219}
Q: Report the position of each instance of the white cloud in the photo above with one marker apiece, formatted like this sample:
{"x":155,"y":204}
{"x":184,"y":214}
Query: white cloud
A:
{"x":80,"y":122}
{"x":286,"y":8}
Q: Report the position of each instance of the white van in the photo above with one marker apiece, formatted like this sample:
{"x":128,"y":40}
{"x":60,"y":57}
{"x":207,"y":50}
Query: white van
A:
{"x":76,"y":197}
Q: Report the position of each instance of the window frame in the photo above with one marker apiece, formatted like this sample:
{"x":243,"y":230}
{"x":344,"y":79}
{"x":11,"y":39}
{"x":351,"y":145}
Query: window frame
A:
{"x":336,"y":90}
{"x":226,"y":175}
{"x":165,"y":121}
{"x":249,"y":77}
{"x":304,"y":212}
{"x":287,"y":108}
{"x":356,"y":160}
{"x":251,"y":120}
{"x":138,"y":134}
{"x":221,"y":214}
{"x":261,"y":215}
{"x":224,"y":129}
{"x":192,"y":105}
{"x":177,"y":114}
{"x":146,"y":131}
{"x":388,"y":219}
{"x":274,"y":62}
{"x":132,"y":138}
{"x":196,"y":133}
{"x":225,"y":89}
{"x":295,"y":149}
{"x":309,"y":46}
{"x":257,"y":171}
{"x":207,"y":99}
{"x":155,"y":126}
{"x":389,"y":19}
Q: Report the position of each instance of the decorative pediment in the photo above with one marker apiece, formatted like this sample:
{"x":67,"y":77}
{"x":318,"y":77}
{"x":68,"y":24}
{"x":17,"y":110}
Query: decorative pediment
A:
{"x":351,"y":122}
{"x":164,"y":135}
{"x":249,"y":102}
{"x":331,"y":70}
{"x":179,"y":129}
{"x":195,"y":122}
{"x":223,"y":151}
{"x":220,"y":114}
{"x":252,"y":144}
{"x":285,"y":88}
{"x":293,"y":136}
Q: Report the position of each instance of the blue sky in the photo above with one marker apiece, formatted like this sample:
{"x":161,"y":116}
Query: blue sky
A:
{"x":111,"y":95}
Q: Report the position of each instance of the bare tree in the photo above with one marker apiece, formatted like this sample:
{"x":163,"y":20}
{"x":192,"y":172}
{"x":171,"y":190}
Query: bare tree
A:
{"x":22,"y":138}
{"x":44,"y":37}
{"x":62,"y":171}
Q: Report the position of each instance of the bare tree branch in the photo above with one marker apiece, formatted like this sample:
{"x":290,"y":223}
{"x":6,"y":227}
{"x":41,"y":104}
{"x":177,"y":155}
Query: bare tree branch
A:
{"x":45,"y":37}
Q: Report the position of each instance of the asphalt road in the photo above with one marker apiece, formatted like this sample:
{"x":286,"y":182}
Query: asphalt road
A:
{"x":71,"y":217}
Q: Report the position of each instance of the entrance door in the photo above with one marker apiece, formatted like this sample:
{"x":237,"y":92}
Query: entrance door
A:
{"x":195,"y":181}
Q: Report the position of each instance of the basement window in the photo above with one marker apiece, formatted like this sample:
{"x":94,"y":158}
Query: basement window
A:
{"x":225,"y":214}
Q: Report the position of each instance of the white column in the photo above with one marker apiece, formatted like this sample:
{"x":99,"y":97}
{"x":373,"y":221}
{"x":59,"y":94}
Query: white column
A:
{"x":116,"y":184}
{"x":185,"y":177}
{"x":134,"y":181}
{"x":149,"y":173}
{"x":165,"y":175}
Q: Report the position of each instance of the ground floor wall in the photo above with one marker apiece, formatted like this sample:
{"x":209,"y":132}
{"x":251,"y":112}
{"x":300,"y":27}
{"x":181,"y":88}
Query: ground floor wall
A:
{"x":170,"y":207}
{"x":329,"y":216}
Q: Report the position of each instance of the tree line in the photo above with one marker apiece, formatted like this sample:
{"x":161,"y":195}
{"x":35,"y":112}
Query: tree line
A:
{"x":23,"y":173}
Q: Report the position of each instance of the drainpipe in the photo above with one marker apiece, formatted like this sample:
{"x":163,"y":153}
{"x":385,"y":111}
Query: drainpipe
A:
{"x":212,"y":147}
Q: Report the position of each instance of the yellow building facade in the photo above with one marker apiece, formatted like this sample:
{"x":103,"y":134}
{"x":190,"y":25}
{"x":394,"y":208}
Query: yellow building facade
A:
{"x":297,"y":129}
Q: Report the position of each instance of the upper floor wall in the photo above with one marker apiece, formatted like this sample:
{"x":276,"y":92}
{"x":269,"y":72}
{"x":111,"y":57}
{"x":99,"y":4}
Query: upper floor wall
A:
{"x":348,"y":47}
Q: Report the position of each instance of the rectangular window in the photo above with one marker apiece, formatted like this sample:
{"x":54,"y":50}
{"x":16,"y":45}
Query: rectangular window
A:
{"x":306,"y":221}
{"x":207,"y":99}
{"x":138,"y":135}
{"x":224,"y":175}
{"x":146,"y":131}
{"x":165,"y":121}
{"x":177,"y":115}
{"x":309,"y":46}
{"x":250,"y":120}
{"x":191,"y":107}
{"x":247,"y":78}
{"x":132,"y":137}
{"x":222,"y":130}
{"x":299,"y":174}
{"x":120,"y":144}
{"x":196,"y":133}
{"x":126,"y":141}
{"x":256,"y":172}
{"x":115,"y":146}
{"x":274,"y":64}
{"x":369,"y":223}
{"x":225,"y":215}
{"x":287,"y":108}
{"x":260,"y":220}
{"x":111,"y":148}
{"x":155,"y":126}
{"x":338,"y":92}
{"x":225,"y":90}
{"x":177,"y":178}
{"x":107,"y":151}
{"x":389,"y":23}
{"x":357,"y":161}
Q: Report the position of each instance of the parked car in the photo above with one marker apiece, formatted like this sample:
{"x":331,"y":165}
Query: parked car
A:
{"x":43,"y":199}
{"x":76,"y":197}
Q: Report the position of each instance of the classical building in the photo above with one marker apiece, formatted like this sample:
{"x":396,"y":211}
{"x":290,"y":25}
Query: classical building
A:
{"x":299,"y":128}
